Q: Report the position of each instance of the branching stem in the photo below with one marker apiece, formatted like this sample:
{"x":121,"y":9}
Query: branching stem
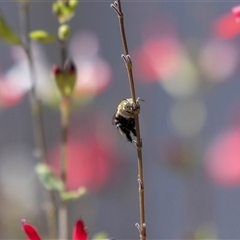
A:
{"x":127,"y":59}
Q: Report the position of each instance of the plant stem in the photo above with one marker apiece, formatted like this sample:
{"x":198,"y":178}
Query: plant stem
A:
{"x":36,"y":110}
{"x":63,"y":52}
{"x":142,"y":227}
{"x":36,"y":104}
{"x":63,"y":210}
{"x":65,"y":117}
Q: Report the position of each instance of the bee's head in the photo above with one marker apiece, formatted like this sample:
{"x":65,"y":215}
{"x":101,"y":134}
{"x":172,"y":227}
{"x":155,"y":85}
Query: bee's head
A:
{"x":128,"y":105}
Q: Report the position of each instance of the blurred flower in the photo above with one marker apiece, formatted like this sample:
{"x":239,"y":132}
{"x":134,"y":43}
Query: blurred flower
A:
{"x":157,"y":58}
{"x":163,"y":58}
{"x":10,"y":94}
{"x":218,"y":59}
{"x":79,"y":231}
{"x":226,"y":26}
{"x":223,"y":158}
{"x":90,"y":162}
{"x":167,"y":61}
{"x":19,"y":75}
{"x":93,"y":73}
{"x":236,"y":12}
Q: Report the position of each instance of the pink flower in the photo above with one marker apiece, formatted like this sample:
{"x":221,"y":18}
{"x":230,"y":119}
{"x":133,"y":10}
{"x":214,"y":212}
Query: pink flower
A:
{"x":236,"y":12}
{"x":93,"y":72}
{"x":158,"y":57}
{"x":226,"y":27}
{"x":79,"y":231}
{"x":10,"y":94}
{"x":223,"y":158}
{"x":218,"y":60}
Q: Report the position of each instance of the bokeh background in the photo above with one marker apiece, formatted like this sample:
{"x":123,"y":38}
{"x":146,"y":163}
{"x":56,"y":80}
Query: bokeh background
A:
{"x":187,"y":69}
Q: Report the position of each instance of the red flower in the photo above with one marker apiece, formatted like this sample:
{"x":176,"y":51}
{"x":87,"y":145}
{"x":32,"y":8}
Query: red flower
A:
{"x":79,"y":231}
{"x":30,"y":231}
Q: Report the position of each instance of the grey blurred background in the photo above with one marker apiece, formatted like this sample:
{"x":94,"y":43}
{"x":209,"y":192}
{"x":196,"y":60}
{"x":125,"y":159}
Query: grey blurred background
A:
{"x":189,"y":193}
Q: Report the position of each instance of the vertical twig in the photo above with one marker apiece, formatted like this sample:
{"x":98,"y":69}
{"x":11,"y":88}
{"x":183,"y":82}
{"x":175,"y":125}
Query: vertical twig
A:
{"x":36,"y":105}
{"x":36,"y":110}
{"x":63,"y":210}
{"x":65,"y":116}
{"x":127,"y":59}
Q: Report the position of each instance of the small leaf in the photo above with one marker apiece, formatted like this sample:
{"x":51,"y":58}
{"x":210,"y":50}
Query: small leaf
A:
{"x":73,"y":195}
{"x":64,"y":11}
{"x":73,"y":4}
{"x":42,"y":36}
{"x":64,"y":32}
{"x":100,"y":236}
{"x":47,"y":178}
{"x":7,"y":34}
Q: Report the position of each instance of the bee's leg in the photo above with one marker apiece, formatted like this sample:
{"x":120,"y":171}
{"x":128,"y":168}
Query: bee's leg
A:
{"x":133,"y":130}
{"x":131,"y":127}
{"x":135,"y":142}
{"x":125,"y":132}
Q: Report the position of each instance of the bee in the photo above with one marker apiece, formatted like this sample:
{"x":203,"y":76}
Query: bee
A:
{"x":124,"y":119}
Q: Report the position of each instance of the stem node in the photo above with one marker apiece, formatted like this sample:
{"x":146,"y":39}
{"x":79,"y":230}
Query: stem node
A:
{"x":127,"y":60}
{"x":115,"y":6}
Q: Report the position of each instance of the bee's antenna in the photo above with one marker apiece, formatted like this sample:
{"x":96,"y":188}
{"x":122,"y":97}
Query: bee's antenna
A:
{"x":140,"y":99}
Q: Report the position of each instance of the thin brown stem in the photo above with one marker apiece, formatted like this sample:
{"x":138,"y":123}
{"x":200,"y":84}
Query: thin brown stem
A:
{"x":127,"y":59}
{"x":37,"y":116}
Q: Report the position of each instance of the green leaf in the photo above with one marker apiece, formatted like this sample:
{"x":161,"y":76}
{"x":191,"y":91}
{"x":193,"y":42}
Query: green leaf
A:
{"x":64,"y":11}
{"x":7,"y":34}
{"x":73,"y":4}
{"x":73,"y":195}
{"x":48,"y":178}
{"x":64,"y":32}
{"x":100,"y":236}
{"x":42,"y":36}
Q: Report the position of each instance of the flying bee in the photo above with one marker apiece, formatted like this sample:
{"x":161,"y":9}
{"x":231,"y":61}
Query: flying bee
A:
{"x":124,"y":120}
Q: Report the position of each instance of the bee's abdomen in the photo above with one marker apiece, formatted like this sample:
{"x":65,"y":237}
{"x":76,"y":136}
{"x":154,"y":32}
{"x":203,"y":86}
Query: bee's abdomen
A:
{"x":127,"y":123}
